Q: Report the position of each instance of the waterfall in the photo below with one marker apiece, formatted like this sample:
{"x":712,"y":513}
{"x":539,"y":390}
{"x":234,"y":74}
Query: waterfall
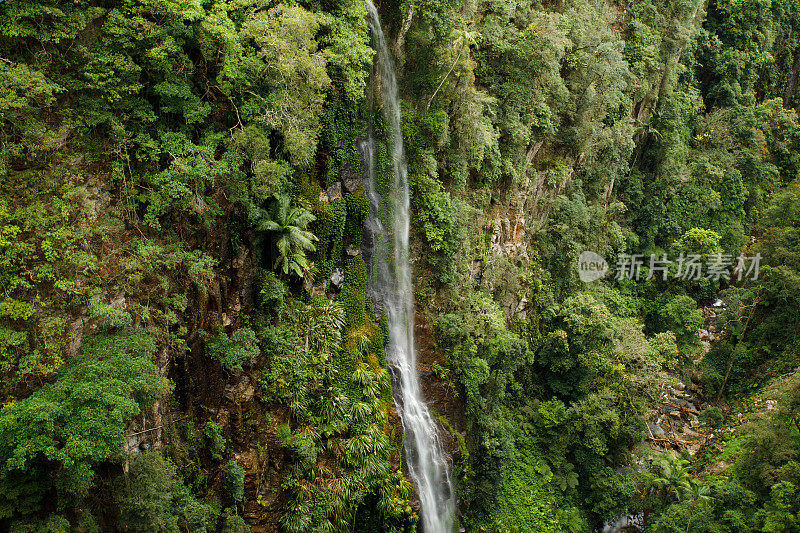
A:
{"x":390,"y":285}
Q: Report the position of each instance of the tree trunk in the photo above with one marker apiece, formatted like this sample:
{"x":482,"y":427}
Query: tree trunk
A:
{"x":400,"y":42}
{"x":791,"y":80}
{"x":736,"y":349}
{"x":443,"y":79}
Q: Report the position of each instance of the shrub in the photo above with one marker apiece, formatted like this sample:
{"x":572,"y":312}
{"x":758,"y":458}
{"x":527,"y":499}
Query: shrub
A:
{"x":269,"y":177}
{"x":233,"y":523}
{"x":232,"y":351}
{"x":272,"y":292}
{"x":153,"y":499}
{"x":107,"y":315}
{"x":234,"y":480}
{"x":712,"y":416}
{"x":54,"y":439}
{"x":216,"y":441}
{"x":681,"y":316}
{"x":698,"y":241}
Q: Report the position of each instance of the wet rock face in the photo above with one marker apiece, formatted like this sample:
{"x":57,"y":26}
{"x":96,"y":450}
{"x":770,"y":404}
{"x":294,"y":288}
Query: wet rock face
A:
{"x":508,"y":235}
{"x":143,"y":434}
{"x":242,"y":391}
{"x":351,"y":179}
{"x":631,"y":523}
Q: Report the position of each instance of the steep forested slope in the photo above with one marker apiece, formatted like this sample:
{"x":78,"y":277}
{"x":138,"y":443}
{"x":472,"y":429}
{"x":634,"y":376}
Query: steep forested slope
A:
{"x":186,"y":341}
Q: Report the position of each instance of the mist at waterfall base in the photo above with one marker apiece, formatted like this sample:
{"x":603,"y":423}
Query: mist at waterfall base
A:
{"x":390,"y":286}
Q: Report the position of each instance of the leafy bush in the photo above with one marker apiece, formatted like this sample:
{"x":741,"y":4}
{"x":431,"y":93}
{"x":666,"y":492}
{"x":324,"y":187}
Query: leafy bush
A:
{"x":681,"y":316}
{"x":269,"y":178}
{"x":272,"y":292}
{"x":233,"y":523}
{"x":108,"y":316}
{"x":698,"y":241}
{"x":154,"y":499}
{"x":286,"y":378}
{"x":232,"y":351}
{"x":234,"y":480}
{"x":526,"y":502}
{"x":712,"y":416}
{"x":215,"y":439}
{"x":77,"y":422}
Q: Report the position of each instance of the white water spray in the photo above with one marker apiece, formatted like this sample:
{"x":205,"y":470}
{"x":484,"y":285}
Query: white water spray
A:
{"x":390,"y":284}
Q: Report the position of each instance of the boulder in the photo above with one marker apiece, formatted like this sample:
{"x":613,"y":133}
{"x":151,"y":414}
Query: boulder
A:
{"x":337,"y":278}
{"x":335,"y":191}
{"x":350,"y":178}
{"x":352,"y":185}
{"x":318,"y":291}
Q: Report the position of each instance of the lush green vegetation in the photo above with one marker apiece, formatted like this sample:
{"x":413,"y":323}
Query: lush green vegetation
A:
{"x":186,"y":339}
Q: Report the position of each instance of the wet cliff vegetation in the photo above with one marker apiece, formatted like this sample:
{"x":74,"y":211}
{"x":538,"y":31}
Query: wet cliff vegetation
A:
{"x":186,"y":341}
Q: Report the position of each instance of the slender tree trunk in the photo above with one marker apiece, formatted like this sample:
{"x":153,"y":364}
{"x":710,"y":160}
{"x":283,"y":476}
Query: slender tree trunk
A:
{"x":736,"y":350}
{"x":609,"y":190}
{"x":400,"y":42}
{"x":791,"y":80}
{"x":443,"y":79}
{"x":649,"y":103}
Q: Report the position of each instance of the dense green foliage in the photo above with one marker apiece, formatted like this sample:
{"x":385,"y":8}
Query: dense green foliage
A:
{"x":186,"y":337}
{"x":649,"y":128}
{"x":154,"y":499}
{"x":54,"y":439}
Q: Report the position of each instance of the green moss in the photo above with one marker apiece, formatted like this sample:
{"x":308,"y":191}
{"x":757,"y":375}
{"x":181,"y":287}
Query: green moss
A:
{"x":338,"y":211}
{"x":357,"y":212}
{"x":329,"y":227}
{"x":353,"y":296}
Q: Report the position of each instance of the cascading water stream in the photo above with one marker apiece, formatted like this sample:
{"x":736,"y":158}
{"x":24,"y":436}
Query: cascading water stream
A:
{"x":390,"y":285}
